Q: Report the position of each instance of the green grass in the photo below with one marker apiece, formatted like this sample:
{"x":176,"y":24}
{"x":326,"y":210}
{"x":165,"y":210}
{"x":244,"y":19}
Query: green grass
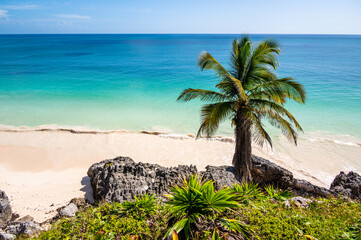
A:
{"x":260,"y":214}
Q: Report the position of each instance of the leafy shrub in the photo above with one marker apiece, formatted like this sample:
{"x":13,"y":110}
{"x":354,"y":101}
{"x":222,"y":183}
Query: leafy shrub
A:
{"x":112,"y":221}
{"x":327,"y":219}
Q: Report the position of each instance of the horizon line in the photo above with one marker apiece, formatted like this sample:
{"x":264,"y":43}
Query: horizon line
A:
{"x":350,"y":34}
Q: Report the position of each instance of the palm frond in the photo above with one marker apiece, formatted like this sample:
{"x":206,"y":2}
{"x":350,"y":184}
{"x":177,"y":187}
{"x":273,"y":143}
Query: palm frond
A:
{"x":276,"y":95}
{"x":291,"y":88}
{"x":207,"y":62}
{"x":265,"y":105}
{"x":276,"y":120}
{"x":212,"y":115}
{"x":259,"y":134}
{"x":204,"y":95}
{"x":236,"y":226}
{"x":266,"y":52}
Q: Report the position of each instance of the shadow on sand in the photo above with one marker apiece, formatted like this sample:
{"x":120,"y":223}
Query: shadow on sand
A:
{"x":87,"y":189}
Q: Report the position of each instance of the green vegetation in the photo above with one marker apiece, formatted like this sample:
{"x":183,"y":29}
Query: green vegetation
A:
{"x":249,"y":91}
{"x":197,"y":204}
{"x":195,"y":210}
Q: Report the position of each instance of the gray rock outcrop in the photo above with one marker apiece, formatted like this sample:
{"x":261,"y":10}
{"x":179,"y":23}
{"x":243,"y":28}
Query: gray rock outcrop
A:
{"x":28,"y":228}
{"x":7,"y":236}
{"x":347,"y":185}
{"x":305,"y":188}
{"x":27,"y":218}
{"x":121,"y":178}
{"x":222,"y":176}
{"x":69,"y":211}
{"x":265,"y":173}
{"x":5,"y":209}
{"x":300,"y":201}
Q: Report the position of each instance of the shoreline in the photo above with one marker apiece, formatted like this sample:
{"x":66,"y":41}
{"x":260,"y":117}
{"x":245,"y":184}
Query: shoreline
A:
{"x":43,"y":168}
{"x":322,"y":135}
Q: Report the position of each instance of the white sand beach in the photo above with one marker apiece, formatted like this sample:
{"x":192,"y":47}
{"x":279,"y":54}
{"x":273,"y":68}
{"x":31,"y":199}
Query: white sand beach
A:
{"x":42,"y":169}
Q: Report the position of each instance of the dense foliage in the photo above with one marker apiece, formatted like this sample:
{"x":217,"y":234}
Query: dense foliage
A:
{"x":195,"y":210}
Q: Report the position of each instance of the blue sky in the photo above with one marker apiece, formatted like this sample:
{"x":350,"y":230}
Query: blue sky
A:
{"x":181,"y":16}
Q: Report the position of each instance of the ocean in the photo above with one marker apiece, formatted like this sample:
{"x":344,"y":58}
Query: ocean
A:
{"x":132,"y":82}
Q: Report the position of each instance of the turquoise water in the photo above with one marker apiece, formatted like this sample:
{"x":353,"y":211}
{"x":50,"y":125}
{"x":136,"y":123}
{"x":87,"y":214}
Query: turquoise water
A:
{"x":132,"y":81}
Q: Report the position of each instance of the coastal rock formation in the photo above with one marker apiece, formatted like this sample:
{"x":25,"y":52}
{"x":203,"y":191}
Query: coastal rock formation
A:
{"x":5,"y":209}
{"x":265,"y":173}
{"x":7,"y":236}
{"x":222,"y":176}
{"x":299,"y":201}
{"x":28,"y":228}
{"x":121,"y":178}
{"x":69,"y":211}
{"x":305,"y":188}
{"x":27,"y":218}
{"x":348,"y":185}
{"x":79,"y":202}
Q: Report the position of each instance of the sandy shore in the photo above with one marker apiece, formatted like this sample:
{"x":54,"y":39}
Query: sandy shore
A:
{"x":43,"y":170}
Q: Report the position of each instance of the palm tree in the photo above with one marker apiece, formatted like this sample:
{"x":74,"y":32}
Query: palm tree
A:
{"x":249,"y":91}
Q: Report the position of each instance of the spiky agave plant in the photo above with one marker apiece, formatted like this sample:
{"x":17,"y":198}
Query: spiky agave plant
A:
{"x":248,"y":92}
{"x":142,"y":206}
{"x":197,"y":199}
{"x":246,"y":192}
{"x":277,"y":194}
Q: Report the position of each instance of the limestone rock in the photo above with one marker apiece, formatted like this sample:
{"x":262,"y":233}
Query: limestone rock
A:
{"x":305,"y":188}
{"x":28,"y":228}
{"x":121,"y":178}
{"x":300,"y":201}
{"x":348,"y":185}
{"x":79,"y":202}
{"x":7,"y":236}
{"x":265,"y":173}
{"x":69,"y":211}
{"x":27,"y":218}
{"x":5,"y":209}
{"x":222,"y":176}
{"x":14,"y":216}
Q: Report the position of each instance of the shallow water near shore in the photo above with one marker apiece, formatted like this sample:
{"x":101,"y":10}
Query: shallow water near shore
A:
{"x":132,"y":81}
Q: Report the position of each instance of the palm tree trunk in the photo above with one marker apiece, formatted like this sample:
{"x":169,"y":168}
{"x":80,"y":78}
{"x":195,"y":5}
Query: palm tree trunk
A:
{"x":242,"y":161}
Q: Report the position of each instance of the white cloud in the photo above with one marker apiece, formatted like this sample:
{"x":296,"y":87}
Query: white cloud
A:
{"x":3,"y":14}
{"x":20,"y":7}
{"x":73,"y":16}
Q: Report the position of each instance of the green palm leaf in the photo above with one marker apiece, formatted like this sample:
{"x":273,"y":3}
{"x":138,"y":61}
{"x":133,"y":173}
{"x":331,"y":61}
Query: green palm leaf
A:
{"x":207,"y":62}
{"x":265,"y":105}
{"x":204,"y":95}
{"x":212,"y":115}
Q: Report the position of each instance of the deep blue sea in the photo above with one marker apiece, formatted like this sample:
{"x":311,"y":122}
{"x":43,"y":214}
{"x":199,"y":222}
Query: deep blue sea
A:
{"x":132,"y":81}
